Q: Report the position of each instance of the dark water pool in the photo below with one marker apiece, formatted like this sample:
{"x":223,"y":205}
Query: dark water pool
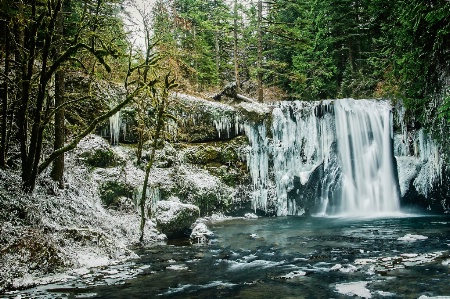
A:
{"x":285,"y":257}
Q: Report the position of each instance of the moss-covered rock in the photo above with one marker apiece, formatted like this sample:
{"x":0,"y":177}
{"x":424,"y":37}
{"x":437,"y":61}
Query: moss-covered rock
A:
{"x":116,"y":195}
{"x":96,"y":152}
{"x":100,"y":158}
{"x":201,"y":120}
{"x":202,"y":154}
{"x":174,"y":219}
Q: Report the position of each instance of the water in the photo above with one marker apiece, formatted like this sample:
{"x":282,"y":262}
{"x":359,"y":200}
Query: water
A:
{"x":328,"y":157}
{"x":364,"y":138}
{"x":284,"y":257}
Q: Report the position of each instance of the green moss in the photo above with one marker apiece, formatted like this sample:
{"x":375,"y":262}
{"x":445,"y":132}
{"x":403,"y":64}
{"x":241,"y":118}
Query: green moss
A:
{"x":232,"y":175}
{"x":112,"y":191}
{"x":101,"y":158}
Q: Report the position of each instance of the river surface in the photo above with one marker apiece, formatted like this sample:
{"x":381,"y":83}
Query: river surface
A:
{"x":284,"y":257}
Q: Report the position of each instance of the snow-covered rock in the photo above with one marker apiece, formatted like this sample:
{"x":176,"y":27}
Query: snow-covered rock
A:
{"x":200,"y":234}
{"x":175,"y":218}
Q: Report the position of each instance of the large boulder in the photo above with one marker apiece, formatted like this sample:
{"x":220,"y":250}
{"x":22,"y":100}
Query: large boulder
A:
{"x":174,"y":219}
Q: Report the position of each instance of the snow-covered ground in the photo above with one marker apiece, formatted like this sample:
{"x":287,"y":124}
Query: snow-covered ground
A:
{"x":55,"y":233}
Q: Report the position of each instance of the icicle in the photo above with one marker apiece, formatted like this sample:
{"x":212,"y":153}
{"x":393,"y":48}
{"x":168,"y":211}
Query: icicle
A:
{"x":223,"y":124}
{"x":114,"y":128}
{"x":258,"y":163}
{"x":431,"y":164}
{"x":301,"y":143}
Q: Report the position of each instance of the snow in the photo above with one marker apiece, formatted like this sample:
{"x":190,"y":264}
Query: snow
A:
{"x":200,"y":234}
{"x":77,"y":229}
{"x":255,"y":107}
{"x":250,"y":216}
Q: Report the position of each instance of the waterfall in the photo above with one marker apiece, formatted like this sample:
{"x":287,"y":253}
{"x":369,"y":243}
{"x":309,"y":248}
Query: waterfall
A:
{"x":364,"y":138}
{"x":329,"y":157}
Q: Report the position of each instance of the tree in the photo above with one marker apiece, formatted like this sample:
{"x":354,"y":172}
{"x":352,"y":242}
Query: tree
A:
{"x":159,"y":95}
{"x":235,"y":45}
{"x":39,"y":54}
{"x":260,"y":54}
{"x":58,"y":165}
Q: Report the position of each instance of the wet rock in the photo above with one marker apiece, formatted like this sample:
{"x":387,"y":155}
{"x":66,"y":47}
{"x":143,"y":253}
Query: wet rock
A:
{"x":174,"y":219}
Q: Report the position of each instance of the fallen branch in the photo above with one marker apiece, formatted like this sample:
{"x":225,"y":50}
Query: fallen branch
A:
{"x":230,"y":91}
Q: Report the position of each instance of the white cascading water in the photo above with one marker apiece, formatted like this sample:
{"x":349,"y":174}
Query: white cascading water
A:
{"x":348,"y":142}
{"x":364,"y":139}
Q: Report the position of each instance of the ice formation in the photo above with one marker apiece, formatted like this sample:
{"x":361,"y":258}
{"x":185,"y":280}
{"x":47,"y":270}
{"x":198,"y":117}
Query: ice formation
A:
{"x":114,"y":128}
{"x":418,"y":158}
{"x":347,"y":143}
{"x":302,"y":142}
{"x":258,"y":163}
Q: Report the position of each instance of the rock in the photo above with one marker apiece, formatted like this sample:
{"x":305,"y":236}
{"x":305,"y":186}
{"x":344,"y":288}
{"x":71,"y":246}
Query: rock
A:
{"x":200,"y":120}
{"x":96,"y":152}
{"x":174,"y":218}
{"x":250,"y":216}
{"x":117,"y":195}
{"x":200,"y":234}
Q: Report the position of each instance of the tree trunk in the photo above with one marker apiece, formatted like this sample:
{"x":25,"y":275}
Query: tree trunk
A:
{"x":235,"y":50}
{"x":216,"y":41}
{"x":159,"y":127}
{"x":58,"y":165}
{"x":4,"y":94}
{"x":36,"y":137}
{"x":259,"y":59}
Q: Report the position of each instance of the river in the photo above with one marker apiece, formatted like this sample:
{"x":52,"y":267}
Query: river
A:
{"x":283,"y":257}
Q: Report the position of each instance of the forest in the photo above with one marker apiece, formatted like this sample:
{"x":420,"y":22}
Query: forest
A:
{"x":306,"y":50}
{"x":76,"y":74}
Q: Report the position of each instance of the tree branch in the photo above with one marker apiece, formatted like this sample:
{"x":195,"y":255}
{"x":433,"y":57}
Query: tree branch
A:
{"x":89,"y":129}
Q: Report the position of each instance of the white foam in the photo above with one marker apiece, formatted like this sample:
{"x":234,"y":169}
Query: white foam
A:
{"x":262,"y":264}
{"x":294,"y":274}
{"x":354,"y":289}
{"x":412,"y":238}
{"x":177,"y":267}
